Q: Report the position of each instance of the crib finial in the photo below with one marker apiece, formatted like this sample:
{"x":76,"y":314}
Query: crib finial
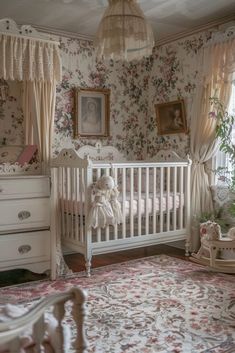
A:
{"x":189,"y":159}
{"x":98,"y":146}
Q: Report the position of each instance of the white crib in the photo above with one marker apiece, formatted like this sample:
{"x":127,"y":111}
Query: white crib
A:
{"x":154,"y":198}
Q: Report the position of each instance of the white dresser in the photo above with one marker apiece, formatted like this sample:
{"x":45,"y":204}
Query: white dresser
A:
{"x":25,"y":223}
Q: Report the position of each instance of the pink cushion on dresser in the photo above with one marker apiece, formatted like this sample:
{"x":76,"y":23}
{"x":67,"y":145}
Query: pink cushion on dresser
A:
{"x":27,"y":154}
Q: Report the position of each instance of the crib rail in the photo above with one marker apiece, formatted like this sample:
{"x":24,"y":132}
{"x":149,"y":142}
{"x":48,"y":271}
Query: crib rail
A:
{"x":12,"y":330}
{"x":154,"y":198}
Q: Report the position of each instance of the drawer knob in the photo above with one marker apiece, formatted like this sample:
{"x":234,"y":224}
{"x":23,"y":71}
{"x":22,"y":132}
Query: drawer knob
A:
{"x":23,"y":249}
{"x":24,"y":215}
{"x":1,"y":189}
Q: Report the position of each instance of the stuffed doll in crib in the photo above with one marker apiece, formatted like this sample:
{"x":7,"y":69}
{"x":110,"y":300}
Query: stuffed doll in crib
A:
{"x":105,"y":209}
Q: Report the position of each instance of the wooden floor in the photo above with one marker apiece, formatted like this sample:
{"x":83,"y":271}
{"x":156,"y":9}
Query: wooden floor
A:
{"x":76,"y":261}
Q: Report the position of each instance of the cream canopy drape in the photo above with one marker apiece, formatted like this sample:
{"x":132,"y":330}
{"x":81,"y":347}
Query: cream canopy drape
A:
{"x":217,"y":64}
{"x":39,"y":110}
{"x":28,"y":58}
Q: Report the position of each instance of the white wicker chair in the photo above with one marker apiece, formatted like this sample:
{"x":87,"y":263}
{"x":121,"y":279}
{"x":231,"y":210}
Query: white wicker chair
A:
{"x":12,"y":331}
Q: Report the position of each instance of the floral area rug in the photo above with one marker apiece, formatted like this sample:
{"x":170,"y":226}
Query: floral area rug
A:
{"x":155,"y":304}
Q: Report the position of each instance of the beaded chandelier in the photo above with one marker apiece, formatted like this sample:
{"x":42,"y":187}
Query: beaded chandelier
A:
{"x":124,"y":33}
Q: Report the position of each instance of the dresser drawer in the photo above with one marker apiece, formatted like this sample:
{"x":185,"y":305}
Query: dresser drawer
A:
{"x":24,"y":247}
{"x":24,"y":214}
{"x":24,"y":187}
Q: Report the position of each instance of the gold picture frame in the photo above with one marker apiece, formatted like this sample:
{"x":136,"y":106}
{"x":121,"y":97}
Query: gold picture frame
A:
{"x":171,"y":117}
{"x":92,"y":110}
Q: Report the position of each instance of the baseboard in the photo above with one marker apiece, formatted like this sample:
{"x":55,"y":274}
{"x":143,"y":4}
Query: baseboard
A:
{"x":178,"y":244}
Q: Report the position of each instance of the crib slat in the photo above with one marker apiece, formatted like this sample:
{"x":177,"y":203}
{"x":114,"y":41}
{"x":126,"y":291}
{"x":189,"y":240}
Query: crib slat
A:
{"x":124,"y":202}
{"x":174,"y":197}
{"x":107,"y":171}
{"x":181,"y":197}
{"x":161,"y":198}
{"x":76,"y":211}
{"x":59,"y":312}
{"x":81,"y":194}
{"x":78,"y":314}
{"x":139,"y":200}
{"x":62,"y":200}
{"x":72,"y":200}
{"x":98,"y":230}
{"x":154,"y":198}
{"x":168,"y":200}
{"x":147,"y":201}
{"x":131,"y":201}
{"x":116,"y":183}
{"x":67,"y":202}
{"x":87,"y":233}
{"x":187,"y":214}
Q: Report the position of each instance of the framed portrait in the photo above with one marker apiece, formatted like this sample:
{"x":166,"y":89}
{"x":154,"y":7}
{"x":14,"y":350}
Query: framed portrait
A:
{"x":171,"y":118}
{"x":92,"y":107}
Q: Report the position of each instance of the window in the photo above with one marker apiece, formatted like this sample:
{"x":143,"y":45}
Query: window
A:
{"x":221,"y":159}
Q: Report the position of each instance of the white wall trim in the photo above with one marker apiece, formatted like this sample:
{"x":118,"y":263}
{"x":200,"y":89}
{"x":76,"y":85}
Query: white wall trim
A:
{"x":61,"y":33}
{"x":187,"y":33}
{"x":165,"y":40}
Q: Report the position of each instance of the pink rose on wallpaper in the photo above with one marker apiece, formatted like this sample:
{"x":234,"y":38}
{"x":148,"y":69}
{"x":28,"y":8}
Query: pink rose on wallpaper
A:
{"x":68,"y":107}
{"x":68,"y":94}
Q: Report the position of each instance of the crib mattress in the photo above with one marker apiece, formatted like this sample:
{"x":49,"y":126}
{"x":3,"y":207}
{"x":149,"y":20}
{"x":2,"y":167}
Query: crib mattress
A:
{"x":138,"y":206}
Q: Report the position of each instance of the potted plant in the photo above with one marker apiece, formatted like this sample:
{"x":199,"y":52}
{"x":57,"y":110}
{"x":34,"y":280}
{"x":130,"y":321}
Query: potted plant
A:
{"x":225,"y":122}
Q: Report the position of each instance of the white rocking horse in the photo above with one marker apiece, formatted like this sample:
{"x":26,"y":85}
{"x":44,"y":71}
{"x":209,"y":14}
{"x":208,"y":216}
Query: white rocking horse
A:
{"x":213,"y":244}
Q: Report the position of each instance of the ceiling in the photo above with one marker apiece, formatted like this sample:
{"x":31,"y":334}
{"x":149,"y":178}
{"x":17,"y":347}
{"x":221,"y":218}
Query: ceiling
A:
{"x":167,"y":17}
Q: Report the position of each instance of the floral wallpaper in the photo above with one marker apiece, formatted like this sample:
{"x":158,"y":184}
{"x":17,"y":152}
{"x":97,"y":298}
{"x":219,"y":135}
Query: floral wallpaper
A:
{"x":169,"y":74}
{"x":11,"y":116}
{"x":173,"y":77}
{"x":128,"y":84}
{"x":135,"y":88}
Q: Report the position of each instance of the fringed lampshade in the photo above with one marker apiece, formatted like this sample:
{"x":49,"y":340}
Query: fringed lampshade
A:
{"x":124,"y":33}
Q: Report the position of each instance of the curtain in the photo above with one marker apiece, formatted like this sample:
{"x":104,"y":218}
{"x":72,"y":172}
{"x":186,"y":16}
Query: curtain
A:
{"x":36,"y":63}
{"x":217,"y":63}
{"x":29,"y":59}
{"x":39,"y":109}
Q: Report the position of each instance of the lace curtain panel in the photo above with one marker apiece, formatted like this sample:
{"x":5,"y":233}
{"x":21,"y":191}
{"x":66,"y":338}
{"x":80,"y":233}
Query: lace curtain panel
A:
{"x":27,"y":59}
{"x":216,"y":64}
{"x":39,"y":111}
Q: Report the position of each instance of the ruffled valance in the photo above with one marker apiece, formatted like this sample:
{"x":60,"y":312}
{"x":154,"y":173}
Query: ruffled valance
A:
{"x":29,"y":59}
{"x":218,"y":61}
